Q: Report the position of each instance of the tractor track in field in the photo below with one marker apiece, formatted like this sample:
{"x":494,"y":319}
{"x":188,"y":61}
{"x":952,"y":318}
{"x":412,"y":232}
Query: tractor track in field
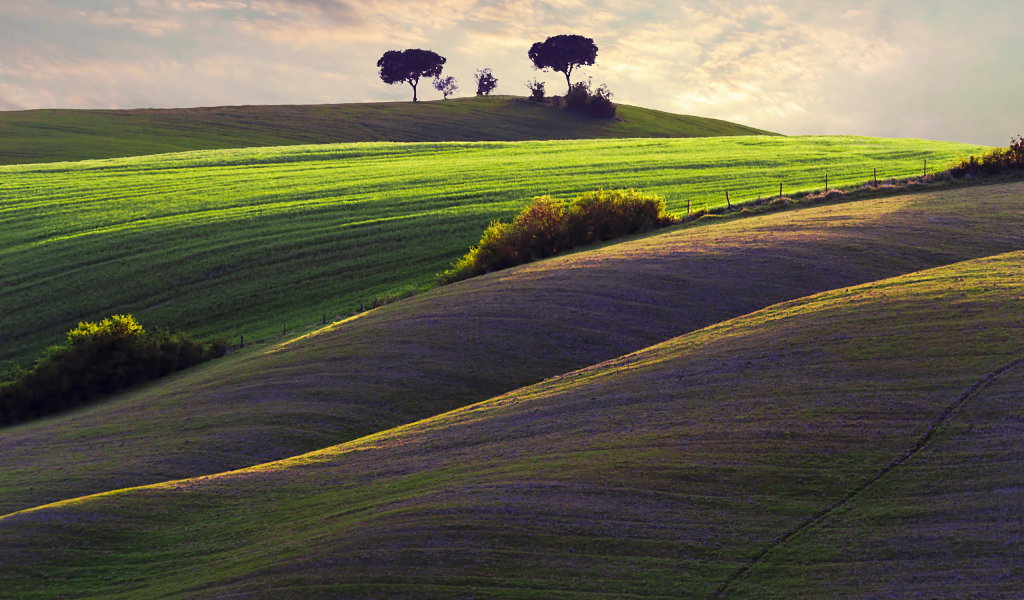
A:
{"x":945,"y":416}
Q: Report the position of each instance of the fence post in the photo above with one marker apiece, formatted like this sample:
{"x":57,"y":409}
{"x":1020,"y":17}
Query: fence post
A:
{"x":925,"y":167}
{"x":876,"y":176}
{"x":361,"y":309}
{"x":826,"y":183}
{"x":727,"y":201}
{"x":284,"y":329}
{"x":780,"y":191}
{"x":242,"y":345}
{"x":325,"y":318}
{"x":687,"y":206}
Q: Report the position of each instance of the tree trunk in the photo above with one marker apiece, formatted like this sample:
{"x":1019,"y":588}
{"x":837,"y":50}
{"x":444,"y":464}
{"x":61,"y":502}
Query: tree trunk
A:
{"x":567,"y":80}
{"x":413,"y":84}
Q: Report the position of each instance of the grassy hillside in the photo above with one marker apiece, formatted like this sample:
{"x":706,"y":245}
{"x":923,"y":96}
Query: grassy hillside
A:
{"x":479,"y":338}
{"x":242,"y":242}
{"x":660,"y":474}
{"x":945,"y":524}
{"x":38,"y":136}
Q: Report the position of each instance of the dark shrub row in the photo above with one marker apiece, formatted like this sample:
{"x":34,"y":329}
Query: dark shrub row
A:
{"x":995,"y":162}
{"x":548,"y":226}
{"x":597,"y":102}
{"x":98,"y":359}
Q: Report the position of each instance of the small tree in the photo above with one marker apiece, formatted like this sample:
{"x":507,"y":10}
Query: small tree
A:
{"x":407,"y":66}
{"x":446,"y":85}
{"x":536,"y":90}
{"x":563,"y":53}
{"x":485,"y":82}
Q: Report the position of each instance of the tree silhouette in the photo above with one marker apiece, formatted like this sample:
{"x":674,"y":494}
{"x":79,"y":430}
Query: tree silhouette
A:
{"x":446,"y":85}
{"x":407,"y":66}
{"x":563,"y":53}
{"x":485,"y":82}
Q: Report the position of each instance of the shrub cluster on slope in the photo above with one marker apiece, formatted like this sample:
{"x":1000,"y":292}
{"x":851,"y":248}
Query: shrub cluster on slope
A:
{"x":99,"y":358}
{"x":548,"y":226}
{"x":996,"y":161}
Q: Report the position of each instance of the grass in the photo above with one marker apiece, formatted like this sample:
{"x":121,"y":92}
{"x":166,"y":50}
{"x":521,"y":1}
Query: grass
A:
{"x":483,"y":337}
{"x":39,"y":136}
{"x":248,"y":242}
{"x":657,"y":474}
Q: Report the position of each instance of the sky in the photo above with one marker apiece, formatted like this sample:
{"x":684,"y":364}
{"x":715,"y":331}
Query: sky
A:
{"x":937,"y":69}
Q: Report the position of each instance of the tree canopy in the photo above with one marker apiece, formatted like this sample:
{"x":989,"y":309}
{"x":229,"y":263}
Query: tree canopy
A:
{"x":407,"y":66}
{"x":563,"y":53}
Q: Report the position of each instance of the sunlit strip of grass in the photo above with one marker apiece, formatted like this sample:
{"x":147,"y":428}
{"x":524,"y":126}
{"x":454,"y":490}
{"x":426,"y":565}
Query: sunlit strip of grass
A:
{"x":135,"y":228}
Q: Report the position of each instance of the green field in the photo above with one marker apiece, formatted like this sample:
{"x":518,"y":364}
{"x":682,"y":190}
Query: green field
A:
{"x":482,"y":337}
{"x":37,"y":136}
{"x":662,"y":474}
{"x":246,"y":242}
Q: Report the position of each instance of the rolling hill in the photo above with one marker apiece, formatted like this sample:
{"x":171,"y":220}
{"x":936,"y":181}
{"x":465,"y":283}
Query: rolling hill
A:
{"x":41,"y":136}
{"x":483,"y":337}
{"x":665,"y":473}
{"x":248,"y":242}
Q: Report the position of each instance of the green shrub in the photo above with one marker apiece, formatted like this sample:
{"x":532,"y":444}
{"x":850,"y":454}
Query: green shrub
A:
{"x":994,"y":162}
{"x":548,"y":226}
{"x":98,"y":359}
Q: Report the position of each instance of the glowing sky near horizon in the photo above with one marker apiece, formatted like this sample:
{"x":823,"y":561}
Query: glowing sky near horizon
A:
{"x":938,"y":69}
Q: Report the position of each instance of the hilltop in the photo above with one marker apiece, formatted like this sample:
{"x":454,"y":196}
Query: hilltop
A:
{"x":41,"y":136}
{"x":486,"y":336}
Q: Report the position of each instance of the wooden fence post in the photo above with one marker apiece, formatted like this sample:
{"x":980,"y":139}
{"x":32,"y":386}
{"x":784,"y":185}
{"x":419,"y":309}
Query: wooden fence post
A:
{"x":284,"y":329}
{"x":876,"y":176}
{"x":826,"y":183}
{"x":727,"y":201}
{"x":687,"y":206}
{"x":780,"y":191}
{"x":242,"y":345}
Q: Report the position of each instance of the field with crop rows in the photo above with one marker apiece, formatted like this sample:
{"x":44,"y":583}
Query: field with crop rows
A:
{"x":485,"y":336}
{"x":661,"y":474}
{"x":246,"y":242}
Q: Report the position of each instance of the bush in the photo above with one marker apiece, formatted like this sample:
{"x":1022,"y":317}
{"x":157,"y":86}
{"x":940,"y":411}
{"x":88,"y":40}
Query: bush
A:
{"x":485,"y":82}
{"x":600,"y":104}
{"x":578,"y":95}
{"x":995,"y":162}
{"x":548,"y":226}
{"x":596,"y":102}
{"x":98,"y":359}
{"x":536,"y":90}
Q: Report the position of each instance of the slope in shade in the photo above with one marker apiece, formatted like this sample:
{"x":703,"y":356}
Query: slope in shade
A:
{"x":654,"y":475}
{"x":949,"y":523}
{"x":483,"y":337}
{"x":36,"y":136}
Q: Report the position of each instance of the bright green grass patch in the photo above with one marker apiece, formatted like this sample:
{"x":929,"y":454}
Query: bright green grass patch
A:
{"x":36,"y":136}
{"x":246,"y":242}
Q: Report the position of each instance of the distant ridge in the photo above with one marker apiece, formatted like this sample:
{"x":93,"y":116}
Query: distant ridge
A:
{"x":38,"y":136}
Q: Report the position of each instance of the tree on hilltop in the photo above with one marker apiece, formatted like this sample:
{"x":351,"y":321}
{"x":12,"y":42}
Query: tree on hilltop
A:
{"x":485,"y":82}
{"x":563,"y":53}
{"x":446,"y":85}
{"x":407,"y":66}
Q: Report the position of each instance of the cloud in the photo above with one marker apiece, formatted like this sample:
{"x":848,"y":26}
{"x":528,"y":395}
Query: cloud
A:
{"x":795,"y":66}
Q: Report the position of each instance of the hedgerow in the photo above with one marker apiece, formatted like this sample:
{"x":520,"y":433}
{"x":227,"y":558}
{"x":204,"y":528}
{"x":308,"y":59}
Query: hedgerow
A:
{"x":549,"y":226}
{"x":996,"y":161}
{"x":98,"y":359}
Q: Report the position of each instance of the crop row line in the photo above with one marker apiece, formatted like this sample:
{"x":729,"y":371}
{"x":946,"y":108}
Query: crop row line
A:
{"x":951,"y":411}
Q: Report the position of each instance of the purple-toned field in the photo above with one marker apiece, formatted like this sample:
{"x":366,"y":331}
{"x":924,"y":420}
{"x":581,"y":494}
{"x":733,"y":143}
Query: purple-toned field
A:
{"x":480,"y":338}
{"x":660,"y":474}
